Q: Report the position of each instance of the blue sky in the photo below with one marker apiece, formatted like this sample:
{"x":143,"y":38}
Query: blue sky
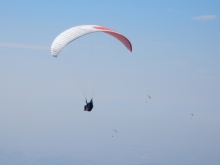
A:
{"x":175,"y":59}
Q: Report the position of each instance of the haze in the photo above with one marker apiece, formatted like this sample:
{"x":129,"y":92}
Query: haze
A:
{"x":175,"y":60}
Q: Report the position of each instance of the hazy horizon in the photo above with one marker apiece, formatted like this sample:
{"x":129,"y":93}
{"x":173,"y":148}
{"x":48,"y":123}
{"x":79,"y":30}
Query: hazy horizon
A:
{"x":175,"y":60}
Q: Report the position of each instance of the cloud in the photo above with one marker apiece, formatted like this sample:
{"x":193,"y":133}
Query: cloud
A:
{"x":24,"y":46}
{"x":204,"y":18}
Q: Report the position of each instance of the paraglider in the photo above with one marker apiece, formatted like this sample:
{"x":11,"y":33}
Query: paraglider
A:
{"x":88,"y":106}
{"x":115,"y":131}
{"x":191,"y":114}
{"x":147,"y":96}
{"x":76,"y":32}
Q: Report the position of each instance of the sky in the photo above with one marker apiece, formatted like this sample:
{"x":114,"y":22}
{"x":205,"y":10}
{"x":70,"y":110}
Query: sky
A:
{"x":175,"y":60}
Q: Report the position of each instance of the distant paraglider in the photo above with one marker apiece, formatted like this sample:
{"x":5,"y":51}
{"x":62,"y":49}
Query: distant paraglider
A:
{"x":114,"y":131}
{"x":147,"y":96}
{"x":191,"y":114}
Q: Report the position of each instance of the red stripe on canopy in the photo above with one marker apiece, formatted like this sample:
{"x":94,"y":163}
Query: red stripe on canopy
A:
{"x":120,"y":37}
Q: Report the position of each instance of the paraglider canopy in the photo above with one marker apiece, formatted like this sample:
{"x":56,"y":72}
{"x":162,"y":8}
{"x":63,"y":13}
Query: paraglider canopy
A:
{"x":78,"y":31}
{"x":115,"y":130}
{"x":147,"y":96}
